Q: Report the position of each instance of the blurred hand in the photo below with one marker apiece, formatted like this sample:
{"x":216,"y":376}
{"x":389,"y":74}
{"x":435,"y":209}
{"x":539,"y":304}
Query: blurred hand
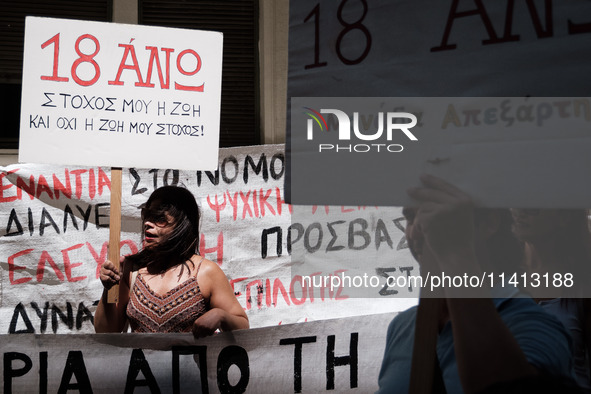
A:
{"x":109,"y":274}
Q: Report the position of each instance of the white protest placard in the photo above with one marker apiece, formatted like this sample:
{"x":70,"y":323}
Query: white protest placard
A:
{"x":120,"y":95}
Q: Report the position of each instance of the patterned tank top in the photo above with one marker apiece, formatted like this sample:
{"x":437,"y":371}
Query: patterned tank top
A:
{"x":175,"y":311}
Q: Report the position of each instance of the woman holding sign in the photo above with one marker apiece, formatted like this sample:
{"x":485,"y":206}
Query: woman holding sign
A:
{"x":167,"y":287}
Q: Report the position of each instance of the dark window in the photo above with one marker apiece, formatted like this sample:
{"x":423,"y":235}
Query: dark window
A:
{"x":238,"y":21}
{"x":12,"y":33}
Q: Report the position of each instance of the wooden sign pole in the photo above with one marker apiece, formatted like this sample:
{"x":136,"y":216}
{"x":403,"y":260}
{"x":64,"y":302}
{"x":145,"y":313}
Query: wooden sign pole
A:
{"x":115,"y":228}
{"x":425,"y":346}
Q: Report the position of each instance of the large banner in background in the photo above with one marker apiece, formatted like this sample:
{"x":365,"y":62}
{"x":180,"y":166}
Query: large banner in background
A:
{"x":54,"y":226}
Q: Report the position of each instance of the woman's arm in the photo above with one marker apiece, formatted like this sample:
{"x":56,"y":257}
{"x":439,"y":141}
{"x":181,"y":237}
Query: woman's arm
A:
{"x":226,"y":313}
{"x":111,"y":317}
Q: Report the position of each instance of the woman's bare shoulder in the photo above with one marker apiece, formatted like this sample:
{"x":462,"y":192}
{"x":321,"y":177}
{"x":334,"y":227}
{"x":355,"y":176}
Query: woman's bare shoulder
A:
{"x":206,"y":267}
{"x":210,"y":276}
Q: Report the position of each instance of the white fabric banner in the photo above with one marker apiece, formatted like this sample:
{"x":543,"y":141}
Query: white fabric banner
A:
{"x":342,"y":355}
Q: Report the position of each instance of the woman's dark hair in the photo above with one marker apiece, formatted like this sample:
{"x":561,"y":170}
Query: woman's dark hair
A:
{"x":182,"y":242}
